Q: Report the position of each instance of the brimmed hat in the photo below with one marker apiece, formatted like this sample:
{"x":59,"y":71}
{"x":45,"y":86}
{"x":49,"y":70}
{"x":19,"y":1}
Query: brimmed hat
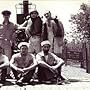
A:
{"x":6,"y":12}
{"x":33,"y":10}
{"x":23,"y":44}
{"x":45,"y":43}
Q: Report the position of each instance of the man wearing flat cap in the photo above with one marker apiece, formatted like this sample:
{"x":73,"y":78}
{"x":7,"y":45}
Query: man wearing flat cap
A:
{"x":6,"y":12}
{"x":49,"y":65}
{"x":23,"y":64}
{"x":7,"y":30}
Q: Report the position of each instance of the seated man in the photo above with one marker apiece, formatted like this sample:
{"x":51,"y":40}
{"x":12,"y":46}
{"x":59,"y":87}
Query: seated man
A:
{"x":23,"y":64}
{"x":49,"y":65}
{"x":4,"y":63}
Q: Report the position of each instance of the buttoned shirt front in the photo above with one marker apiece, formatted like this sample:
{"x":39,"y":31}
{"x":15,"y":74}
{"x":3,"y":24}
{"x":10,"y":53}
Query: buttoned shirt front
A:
{"x":6,"y":33}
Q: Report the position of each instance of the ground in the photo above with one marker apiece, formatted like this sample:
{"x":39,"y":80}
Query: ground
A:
{"x":80,"y":80}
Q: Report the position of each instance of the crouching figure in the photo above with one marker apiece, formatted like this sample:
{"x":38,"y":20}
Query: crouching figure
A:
{"x":23,"y":64}
{"x":49,"y":65}
{"x":4,"y":63}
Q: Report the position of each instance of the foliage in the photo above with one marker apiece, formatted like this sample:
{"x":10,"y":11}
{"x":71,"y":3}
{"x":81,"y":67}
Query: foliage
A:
{"x":80,"y":23}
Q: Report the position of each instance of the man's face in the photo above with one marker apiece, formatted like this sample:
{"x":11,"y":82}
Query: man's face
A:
{"x":47,"y":15}
{"x":46,"y":48}
{"x":34,"y":14}
{"x":6,"y":17}
{"x":24,"y":50}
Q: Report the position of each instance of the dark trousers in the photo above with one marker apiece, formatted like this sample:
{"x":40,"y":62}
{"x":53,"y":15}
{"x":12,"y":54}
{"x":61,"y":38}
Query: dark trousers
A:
{"x":59,"y":73}
{"x":45,"y":74}
{"x":3,"y":74}
{"x":26,"y":76}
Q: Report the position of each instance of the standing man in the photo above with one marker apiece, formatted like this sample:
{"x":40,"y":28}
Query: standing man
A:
{"x":23,"y":64}
{"x":54,"y":32}
{"x":34,"y":31}
{"x":49,"y":65}
{"x":4,"y":63}
{"x":7,"y":30}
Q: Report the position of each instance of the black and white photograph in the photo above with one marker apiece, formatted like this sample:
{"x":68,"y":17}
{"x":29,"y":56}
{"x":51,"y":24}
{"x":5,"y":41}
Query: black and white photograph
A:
{"x":45,"y":44}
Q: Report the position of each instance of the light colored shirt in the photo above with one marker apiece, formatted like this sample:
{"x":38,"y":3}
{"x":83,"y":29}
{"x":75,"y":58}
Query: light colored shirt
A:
{"x":51,"y":27}
{"x":4,"y":61}
{"x":51,"y":58}
{"x":18,"y":61}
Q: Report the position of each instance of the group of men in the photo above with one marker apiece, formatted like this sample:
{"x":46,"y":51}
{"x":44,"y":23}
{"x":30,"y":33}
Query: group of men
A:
{"x":42,"y":42}
{"x":37,"y":31}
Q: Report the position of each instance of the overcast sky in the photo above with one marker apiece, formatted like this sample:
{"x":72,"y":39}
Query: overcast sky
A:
{"x":62,"y":8}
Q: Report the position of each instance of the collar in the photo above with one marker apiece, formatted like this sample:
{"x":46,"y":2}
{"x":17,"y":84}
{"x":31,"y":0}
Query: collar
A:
{"x":42,"y":53}
{"x":4,"y":22}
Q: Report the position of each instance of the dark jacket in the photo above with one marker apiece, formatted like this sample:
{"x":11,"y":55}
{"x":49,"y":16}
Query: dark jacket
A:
{"x":36,"y":27}
{"x":57,"y":33}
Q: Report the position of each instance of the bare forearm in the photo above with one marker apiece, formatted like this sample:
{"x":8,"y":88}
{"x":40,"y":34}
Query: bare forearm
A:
{"x":4,"y":65}
{"x":44,"y":64}
{"x":31,"y":67}
{"x":13,"y":66}
{"x":59,"y":64}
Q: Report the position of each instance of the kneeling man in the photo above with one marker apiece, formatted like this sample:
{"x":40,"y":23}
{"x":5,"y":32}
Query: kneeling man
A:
{"x":23,"y":64}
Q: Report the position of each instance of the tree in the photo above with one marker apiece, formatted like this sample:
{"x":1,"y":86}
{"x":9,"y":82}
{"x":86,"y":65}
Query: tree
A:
{"x":80,"y":23}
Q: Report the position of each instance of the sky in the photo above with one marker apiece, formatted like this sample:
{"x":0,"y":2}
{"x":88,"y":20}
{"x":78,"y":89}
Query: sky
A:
{"x":62,"y":8}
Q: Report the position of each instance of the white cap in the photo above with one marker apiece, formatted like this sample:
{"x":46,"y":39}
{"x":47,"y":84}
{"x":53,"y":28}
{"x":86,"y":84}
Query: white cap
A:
{"x":45,"y":42}
{"x":33,"y":10}
{"x":23,"y":43}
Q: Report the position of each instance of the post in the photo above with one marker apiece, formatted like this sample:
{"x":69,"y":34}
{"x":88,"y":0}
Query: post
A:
{"x":88,"y":57}
{"x":64,"y":52}
{"x":25,"y":7}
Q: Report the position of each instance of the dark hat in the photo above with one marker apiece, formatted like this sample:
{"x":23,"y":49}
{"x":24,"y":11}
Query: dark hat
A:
{"x":6,"y":12}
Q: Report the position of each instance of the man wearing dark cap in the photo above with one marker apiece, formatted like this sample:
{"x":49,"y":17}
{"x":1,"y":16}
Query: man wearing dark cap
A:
{"x":6,"y":12}
{"x":7,"y":30}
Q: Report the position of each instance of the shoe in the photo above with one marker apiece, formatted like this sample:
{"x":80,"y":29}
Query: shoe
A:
{"x":19,"y":82}
{"x":66,"y":81}
{"x":53,"y":81}
{"x":9,"y":77}
{"x":59,"y":81}
{"x":2,"y":81}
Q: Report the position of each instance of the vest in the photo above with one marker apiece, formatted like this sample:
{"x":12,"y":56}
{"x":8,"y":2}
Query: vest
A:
{"x":51,"y":60}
